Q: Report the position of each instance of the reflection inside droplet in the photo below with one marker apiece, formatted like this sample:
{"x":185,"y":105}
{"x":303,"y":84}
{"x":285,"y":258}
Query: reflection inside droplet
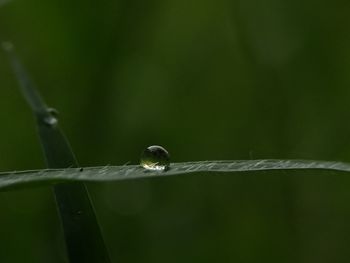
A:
{"x":50,"y":117}
{"x":50,"y":120}
{"x":155,"y":158}
{"x":53,"y":112}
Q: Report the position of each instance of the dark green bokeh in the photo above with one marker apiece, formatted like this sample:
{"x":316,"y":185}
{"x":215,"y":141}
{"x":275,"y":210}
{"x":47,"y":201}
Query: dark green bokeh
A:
{"x":207,"y":80}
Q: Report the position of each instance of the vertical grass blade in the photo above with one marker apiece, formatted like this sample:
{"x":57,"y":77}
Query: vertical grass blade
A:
{"x":84,"y":241}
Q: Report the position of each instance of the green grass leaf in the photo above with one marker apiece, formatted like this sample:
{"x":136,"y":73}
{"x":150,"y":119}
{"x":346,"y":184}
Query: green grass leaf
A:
{"x":82,"y":233}
{"x":128,"y":172}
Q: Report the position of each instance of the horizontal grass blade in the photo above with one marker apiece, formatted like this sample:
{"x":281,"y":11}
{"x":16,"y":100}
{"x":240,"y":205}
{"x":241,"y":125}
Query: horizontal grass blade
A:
{"x":115,"y":173}
{"x":82,"y":233}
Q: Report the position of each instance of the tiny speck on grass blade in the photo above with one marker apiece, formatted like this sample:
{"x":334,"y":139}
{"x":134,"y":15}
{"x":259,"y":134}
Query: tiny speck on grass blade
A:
{"x":84,"y":241}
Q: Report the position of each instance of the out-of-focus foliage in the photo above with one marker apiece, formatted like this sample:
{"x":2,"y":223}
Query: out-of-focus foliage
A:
{"x":207,"y":80}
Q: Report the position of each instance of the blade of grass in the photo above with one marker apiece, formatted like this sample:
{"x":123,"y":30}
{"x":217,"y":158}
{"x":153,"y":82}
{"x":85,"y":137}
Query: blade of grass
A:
{"x":82,"y":233}
{"x":129,"y":172}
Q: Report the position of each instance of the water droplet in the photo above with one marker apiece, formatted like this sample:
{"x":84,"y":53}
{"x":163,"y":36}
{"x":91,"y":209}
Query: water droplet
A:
{"x":50,"y":117}
{"x":155,"y":158}
{"x":53,"y":112}
{"x":50,"y":121}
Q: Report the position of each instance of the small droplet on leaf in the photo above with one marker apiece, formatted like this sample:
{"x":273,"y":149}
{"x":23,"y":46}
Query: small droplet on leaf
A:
{"x":50,"y":121}
{"x":53,"y":112}
{"x":155,"y":158}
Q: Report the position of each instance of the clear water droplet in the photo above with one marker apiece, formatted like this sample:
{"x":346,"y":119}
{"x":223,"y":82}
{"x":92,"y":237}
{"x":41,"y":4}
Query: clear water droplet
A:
{"x":53,"y":112}
{"x":50,"y":121}
{"x":155,"y":158}
{"x":50,"y":118}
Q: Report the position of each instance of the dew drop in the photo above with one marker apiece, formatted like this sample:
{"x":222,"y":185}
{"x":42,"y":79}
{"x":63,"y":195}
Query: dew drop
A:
{"x":155,"y":158}
{"x":50,"y":121}
{"x":53,"y":111}
{"x":50,"y":118}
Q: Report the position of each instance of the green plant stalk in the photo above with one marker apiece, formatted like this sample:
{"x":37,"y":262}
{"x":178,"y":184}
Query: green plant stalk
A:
{"x":83,"y":237}
{"x":21,"y":179}
{"x":84,"y":241}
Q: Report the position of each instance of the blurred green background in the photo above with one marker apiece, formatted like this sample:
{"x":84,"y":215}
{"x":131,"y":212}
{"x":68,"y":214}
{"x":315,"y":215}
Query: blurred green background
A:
{"x":239,"y":79}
